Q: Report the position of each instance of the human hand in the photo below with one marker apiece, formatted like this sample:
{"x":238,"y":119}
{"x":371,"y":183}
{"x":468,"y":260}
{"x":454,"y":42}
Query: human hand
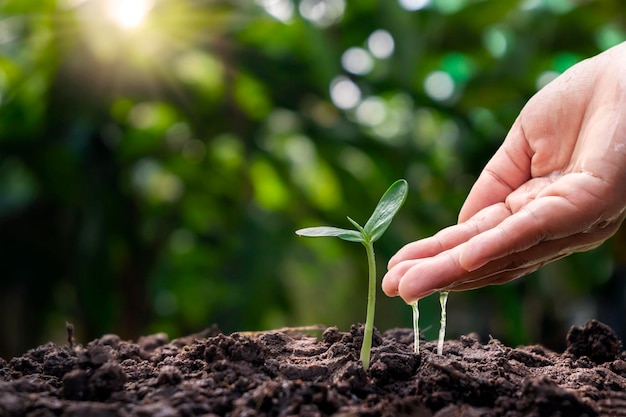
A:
{"x":556,"y":186}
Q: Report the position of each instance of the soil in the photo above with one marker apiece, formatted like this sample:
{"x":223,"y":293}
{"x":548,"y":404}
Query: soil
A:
{"x":287,"y":373}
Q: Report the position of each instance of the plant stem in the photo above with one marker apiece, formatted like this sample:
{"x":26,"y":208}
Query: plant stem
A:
{"x":443,"y":299}
{"x":416,"y":327}
{"x":371,"y":305}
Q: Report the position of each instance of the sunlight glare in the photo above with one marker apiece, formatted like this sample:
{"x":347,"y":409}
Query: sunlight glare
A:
{"x":128,"y":14}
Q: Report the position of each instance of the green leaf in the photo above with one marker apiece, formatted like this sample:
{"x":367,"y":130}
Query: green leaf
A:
{"x":323,"y":231}
{"x":358,"y":226}
{"x":387,"y":207}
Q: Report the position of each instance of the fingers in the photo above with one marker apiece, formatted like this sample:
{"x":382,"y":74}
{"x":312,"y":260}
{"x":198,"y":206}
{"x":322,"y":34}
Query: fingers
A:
{"x":444,"y":272}
{"x":419,"y":278}
{"x":560,"y":210}
{"x":522,"y":263}
{"x":452,"y":236}
{"x":446,"y":239}
{"x":495,"y":246}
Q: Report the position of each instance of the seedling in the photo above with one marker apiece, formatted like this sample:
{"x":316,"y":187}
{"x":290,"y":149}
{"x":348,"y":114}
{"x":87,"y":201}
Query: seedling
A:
{"x":374,"y":228}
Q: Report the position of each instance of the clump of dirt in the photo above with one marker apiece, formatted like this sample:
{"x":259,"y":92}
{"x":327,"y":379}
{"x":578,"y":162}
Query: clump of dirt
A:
{"x":283,"y":373}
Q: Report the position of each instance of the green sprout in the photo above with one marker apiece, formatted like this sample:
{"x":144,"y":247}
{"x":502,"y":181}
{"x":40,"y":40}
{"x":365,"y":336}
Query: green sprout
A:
{"x":374,"y":228}
{"x":443,"y":300}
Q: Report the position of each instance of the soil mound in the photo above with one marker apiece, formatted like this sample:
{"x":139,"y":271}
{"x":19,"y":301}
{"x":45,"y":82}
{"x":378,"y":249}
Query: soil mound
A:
{"x":283,"y":373}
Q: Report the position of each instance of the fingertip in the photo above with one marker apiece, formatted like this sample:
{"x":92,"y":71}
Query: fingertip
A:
{"x":430,"y":275}
{"x":391,"y":280}
{"x":396,"y":274}
{"x":389,"y":283}
{"x":411,"y":288}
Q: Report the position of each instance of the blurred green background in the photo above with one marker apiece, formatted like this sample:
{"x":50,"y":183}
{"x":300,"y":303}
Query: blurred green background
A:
{"x":156,"y":157}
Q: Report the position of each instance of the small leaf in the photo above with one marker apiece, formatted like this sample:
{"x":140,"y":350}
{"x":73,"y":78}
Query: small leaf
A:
{"x":387,"y":207}
{"x":358,"y":226}
{"x":322,"y":231}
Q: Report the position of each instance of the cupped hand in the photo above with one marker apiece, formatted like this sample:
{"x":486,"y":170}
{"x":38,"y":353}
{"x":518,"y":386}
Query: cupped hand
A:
{"x":556,"y":186}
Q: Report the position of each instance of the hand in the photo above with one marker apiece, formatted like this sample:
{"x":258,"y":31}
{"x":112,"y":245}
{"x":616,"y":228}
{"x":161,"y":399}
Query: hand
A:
{"x":556,"y":186}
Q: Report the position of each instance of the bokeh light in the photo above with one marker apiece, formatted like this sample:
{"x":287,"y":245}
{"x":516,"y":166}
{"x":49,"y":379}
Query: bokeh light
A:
{"x":610,"y":35}
{"x":323,"y":13}
{"x":439,"y":85}
{"x":460,"y":66}
{"x":559,"y":6}
{"x":497,"y":41}
{"x":282,"y":10}
{"x":449,"y":6}
{"x":372,"y":111}
{"x":155,"y":183}
{"x":344,"y":93}
{"x":413,"y":5}
{"x":357,"y":61}
{"x":381,"y":44}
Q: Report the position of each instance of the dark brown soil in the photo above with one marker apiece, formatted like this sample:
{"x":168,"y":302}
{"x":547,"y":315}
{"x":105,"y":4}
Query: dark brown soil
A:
{"x":283,"y":373}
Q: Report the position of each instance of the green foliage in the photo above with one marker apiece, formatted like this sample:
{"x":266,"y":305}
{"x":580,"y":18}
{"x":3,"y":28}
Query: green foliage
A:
{"x":374,"y":228}
{"x":151,"y":177}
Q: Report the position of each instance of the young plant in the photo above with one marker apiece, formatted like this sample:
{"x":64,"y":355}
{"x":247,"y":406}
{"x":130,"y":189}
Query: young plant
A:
{"x":374,"y":228}
{"x":443,"y":300}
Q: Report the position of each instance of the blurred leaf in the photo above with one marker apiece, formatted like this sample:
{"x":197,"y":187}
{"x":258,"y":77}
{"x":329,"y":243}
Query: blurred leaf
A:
{"x":252,"y":97}
{"x":18,"y":186}
{"x":269,"y":190}
{"x":202,"y":72}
